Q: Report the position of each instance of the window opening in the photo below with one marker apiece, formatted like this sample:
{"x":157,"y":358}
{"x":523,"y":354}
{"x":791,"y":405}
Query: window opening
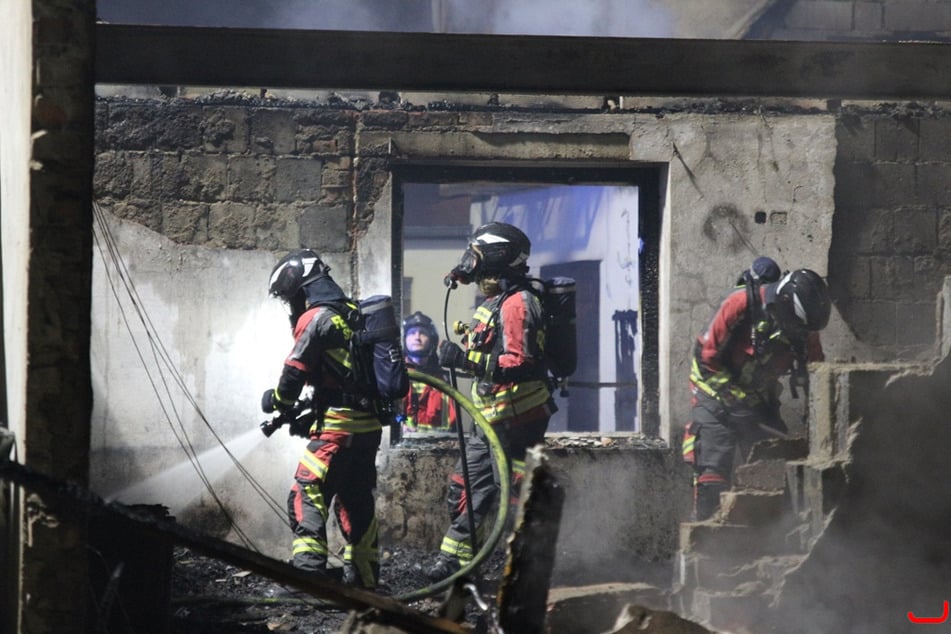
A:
{"x":598,"y":226}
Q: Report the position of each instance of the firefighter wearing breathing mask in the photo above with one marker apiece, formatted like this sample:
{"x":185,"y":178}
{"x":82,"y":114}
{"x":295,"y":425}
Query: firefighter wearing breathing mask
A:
{"x":503,"y":352}
{"x":337,"y":470}
{"x":759,"y":333}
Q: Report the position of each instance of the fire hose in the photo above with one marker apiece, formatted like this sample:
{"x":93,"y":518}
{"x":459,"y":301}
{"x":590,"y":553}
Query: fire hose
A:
{"x":304,"y":417}
{"x":502,"y":468}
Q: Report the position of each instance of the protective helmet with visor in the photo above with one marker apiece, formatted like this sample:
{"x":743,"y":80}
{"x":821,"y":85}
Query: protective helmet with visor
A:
{"x":495,"y":249}
{"x":804,"y":301}
{"x":289,"y":277}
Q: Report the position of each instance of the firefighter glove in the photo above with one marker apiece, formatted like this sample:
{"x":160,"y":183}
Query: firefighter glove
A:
{"x":301,"y":426}
{"x":452,"y":356}
{"x":271,"y":402}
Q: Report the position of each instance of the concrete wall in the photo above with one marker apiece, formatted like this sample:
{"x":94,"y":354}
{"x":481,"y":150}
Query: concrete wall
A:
{"x":624,"y":498}
{"x":223,"y":180}
{"x":857,"y":20}
{"x":46,"y":166}
{"x":891,"y":228}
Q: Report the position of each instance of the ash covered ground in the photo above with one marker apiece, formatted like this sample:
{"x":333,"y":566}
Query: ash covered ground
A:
{"x":210,"y":596}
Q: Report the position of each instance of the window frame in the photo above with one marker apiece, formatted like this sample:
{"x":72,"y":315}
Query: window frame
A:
{"x":647,"y":178}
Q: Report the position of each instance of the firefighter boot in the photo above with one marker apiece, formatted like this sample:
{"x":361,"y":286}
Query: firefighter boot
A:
{"x":443,"y":567}
{"x":707,"y":495}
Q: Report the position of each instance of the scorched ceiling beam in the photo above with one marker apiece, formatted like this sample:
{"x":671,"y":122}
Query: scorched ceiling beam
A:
{"x":267,"y":58}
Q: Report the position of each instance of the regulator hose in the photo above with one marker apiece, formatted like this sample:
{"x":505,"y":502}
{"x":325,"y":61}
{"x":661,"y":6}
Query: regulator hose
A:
{"x":502,"y":468}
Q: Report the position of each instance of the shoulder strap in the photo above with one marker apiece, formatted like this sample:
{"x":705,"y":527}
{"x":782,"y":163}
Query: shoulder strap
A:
{"x":754,"y":308}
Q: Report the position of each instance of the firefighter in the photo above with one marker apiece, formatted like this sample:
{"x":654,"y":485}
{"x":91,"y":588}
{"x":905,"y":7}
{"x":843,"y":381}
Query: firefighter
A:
{"x":503,"y":352}
{"x":338,"y":466}
{"x":425,"y":408}
{"x":759,"y":333}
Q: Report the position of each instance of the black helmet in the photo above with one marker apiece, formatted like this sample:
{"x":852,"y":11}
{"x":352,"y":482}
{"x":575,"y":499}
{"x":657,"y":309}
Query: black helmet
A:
{"x":807,"y":295}
{"x":424,"y":323}
{"x":295,"y":271}
{"x":502,"y":247}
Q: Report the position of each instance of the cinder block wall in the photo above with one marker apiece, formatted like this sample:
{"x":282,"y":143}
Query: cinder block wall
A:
{"x":858,"y":19}
{"x":227,"y":178}
{"x":232,"y":175}
{"x":888,"y":512}
{"x":892,"y":226}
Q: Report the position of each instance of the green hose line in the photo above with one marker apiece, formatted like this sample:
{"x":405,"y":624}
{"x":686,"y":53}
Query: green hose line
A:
{"x":502,"y":468}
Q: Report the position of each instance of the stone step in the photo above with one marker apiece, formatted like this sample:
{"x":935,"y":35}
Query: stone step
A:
{"x":732,"y":540}
{"x":779,"y":449}
{"x":753,"y":508}
{"x":762,"y":475}
{"x":595,"y":608}
{"x":730,"y":611}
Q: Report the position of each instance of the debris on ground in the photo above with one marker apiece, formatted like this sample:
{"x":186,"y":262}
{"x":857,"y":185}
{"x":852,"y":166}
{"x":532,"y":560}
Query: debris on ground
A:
{"x":210,"y":596}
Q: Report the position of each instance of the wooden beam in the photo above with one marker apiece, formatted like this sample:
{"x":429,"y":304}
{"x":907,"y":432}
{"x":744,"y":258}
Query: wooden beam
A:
{"x":77,"y":501}
{"x":267,"y":58}
{"x":523,"y":593}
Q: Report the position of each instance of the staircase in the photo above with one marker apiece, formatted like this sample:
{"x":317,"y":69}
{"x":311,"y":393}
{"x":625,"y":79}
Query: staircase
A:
{"x":731,"y":566}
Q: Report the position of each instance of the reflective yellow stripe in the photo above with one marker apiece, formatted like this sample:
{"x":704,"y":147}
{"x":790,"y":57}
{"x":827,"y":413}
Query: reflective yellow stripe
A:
{"x":340,"y":357}
{"x":518,"y":469}
{"x":712,"y":384}
{"x":316,"y":467}
{"x":514,"y":400}
{"x":483,"y":314}
{"x":689,"y":443}
{"x":304,"y":545}
{"x":312,"y":491}
{"x":460,"y":550}
{"x":350,"y":420}
{"x":277,"y":397}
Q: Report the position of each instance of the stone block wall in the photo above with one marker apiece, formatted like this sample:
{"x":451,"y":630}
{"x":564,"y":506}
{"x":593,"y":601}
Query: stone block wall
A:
{"x":892,"y":226}
{"x":739,"y":183}
{"x":859,"y":20}
{"x":229,"y":175}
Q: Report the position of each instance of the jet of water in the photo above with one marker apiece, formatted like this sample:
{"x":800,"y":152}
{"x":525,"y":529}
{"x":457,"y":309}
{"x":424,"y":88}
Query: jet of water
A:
{"x":180,"y":484}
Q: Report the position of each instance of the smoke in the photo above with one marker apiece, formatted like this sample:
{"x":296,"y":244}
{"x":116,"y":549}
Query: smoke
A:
{"x":885,"y":550}
{"x":609,"y":18}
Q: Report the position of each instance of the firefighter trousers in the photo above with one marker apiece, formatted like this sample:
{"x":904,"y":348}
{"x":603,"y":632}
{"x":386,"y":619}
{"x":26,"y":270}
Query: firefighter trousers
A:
{"x":484,"y":482}
{"x":338,"y":469}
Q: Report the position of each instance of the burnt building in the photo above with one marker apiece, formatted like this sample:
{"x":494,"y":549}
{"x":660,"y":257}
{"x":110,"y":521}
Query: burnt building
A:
{"x":654,"y":155}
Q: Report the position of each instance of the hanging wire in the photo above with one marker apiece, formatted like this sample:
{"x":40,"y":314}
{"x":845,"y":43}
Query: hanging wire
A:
{"x":162,"y":358}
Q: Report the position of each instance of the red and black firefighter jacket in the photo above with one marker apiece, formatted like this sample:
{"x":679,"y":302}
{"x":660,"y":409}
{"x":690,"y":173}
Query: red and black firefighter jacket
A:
{"x":729,"y":367}
{"x":513,"y":386}
{"x":425,"y":408}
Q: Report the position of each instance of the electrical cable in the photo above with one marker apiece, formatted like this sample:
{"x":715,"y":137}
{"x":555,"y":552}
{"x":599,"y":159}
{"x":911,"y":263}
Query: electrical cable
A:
{"x":161,"y":356}
{"x":502,"y":468}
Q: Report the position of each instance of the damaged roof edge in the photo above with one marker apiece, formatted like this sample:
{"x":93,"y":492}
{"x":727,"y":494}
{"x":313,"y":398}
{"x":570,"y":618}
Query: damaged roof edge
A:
{"x":269,"y":58}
